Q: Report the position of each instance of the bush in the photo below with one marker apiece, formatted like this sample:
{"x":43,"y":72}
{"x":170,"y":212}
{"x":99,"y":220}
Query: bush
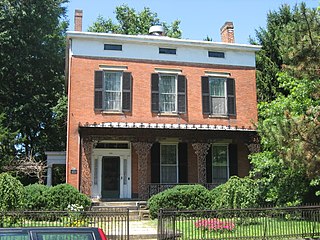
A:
{"x":182,"y":197}
{"x":61,"y":196}
{"x":11,"y":193}
{"x":235,"y":193}
{"x":36,"y":197}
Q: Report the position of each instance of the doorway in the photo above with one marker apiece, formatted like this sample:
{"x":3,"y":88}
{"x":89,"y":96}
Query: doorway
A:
{"x":110,"y":187}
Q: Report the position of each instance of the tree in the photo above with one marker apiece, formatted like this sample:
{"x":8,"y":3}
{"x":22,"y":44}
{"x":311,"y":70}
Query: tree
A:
{"x":132,"y":22}
{"x":32,"y":36}
{"x":290,"y":42}
{"x":288,"y":90}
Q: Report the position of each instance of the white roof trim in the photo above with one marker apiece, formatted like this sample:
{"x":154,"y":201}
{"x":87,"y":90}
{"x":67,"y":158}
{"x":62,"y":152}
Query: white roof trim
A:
{"x":165,"y":126}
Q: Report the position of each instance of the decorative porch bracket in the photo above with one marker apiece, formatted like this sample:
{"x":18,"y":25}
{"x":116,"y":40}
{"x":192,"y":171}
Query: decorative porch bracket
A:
{"x":201,"y":150}
{"x":142,"y":149}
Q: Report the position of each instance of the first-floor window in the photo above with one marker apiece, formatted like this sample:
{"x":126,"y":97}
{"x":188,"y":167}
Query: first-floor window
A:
{"x":169,"y":163}
{"x":220,"y":163}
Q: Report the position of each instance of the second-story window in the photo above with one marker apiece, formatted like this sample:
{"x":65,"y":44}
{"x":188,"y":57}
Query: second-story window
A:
{"x":218,"y":96}
{"x":112,"y":91}
{"x":168,"y":93}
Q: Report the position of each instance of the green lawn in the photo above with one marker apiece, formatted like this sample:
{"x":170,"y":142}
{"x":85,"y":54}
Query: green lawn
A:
{"x":253,"y":227}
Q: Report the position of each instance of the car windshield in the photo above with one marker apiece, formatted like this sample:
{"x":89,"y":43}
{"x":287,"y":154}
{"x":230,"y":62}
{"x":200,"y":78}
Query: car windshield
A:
{"x":14,"y":236}
{"x":65,"y":236}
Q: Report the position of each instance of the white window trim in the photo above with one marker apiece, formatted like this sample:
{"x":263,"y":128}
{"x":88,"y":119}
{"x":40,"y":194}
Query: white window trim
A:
{"x":113,"y":68}
{"x":225,"y":98}
{"x":227,"y":166}
{"x":217,"y":74}
{"x":168,"y":71}
{"x":177,"y":162}
{"x":105,"y":93}
{"x":176,"y":93}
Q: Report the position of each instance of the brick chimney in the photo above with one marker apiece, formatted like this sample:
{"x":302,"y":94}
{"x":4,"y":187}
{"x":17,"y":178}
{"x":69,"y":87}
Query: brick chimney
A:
{"x":78,"y":20}
{"x":227,"y":32}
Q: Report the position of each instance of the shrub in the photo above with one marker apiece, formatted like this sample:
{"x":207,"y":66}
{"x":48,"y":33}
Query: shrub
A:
{"x":61,"y":196}
{"x":182,"y":197}
{"x":235,"y":193}
{"x":11,"y":193}
{"x":36,"y":197}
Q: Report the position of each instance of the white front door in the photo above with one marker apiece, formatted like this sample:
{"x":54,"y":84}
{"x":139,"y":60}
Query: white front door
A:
{"x":111,"y":175}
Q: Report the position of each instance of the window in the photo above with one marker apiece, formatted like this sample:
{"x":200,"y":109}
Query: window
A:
{"x":113,"y":47}
{"x":112,"y":91}
{"x":216,"y":54}
{"x":218,"y":96}
{"x":220,"y":163}
{"x":168,"y":93}
{"x":169,"y":163}
{"x":167,"y":51}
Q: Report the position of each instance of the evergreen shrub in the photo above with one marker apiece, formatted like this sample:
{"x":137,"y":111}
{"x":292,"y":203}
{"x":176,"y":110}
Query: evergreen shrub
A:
{"x":11,"y":193}
{"x":61,"y":196}
{"x":36,"y":197}
{"x":181,"y":197}
{"x":235,"y":193}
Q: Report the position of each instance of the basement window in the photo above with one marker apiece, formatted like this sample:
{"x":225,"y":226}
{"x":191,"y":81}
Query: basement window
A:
{"x":216,"y":54}
{"x":168,"y":51}
{"x":113,"y":47}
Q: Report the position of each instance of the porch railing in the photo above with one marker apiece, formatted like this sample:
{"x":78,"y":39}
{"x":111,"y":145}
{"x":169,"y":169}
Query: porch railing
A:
{"x":264,"y":223}
{"x":114,"y":222}
{"x":155,"y":188}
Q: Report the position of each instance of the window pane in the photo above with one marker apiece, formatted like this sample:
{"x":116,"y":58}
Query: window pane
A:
{"x":218,"y":105}
{"x":219,"y":155}
{"x":217,"y":87}
{"x":167,"y":90}
{"x":112,"y":81}
{"x":220,"y":166}
{"x":65,"y":236}
{"x":112,"y":90}
{"x":168,"y":174}
{"x":168,"y":154}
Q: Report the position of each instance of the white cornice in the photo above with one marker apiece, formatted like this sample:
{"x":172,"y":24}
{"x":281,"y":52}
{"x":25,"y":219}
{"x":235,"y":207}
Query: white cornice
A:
{"x":150,"y":39}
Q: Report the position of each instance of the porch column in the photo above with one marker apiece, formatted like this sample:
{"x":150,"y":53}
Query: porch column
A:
{"x":49,"y":175}
{"x":201,"y":150}
{"x":142,"y":149}
{"x":85,"y":168}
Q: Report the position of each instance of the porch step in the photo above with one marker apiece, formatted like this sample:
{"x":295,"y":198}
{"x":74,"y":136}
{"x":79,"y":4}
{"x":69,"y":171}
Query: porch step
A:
{"x":138,"y":210}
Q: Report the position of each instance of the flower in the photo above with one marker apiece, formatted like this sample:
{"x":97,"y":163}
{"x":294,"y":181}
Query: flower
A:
{"x":214,"y":224}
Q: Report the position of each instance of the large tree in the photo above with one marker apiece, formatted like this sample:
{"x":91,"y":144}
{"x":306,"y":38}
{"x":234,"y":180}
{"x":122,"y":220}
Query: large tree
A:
{"x":288,"y":89}
{"x":131,"y":22}
{"x":32,"y":36}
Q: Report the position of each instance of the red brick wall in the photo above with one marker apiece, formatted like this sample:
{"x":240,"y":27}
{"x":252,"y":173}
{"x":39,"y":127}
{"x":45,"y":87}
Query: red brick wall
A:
{"x":81,"y":100}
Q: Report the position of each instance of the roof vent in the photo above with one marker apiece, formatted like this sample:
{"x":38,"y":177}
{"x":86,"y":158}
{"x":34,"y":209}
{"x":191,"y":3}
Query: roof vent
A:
{"x":156,"y":30}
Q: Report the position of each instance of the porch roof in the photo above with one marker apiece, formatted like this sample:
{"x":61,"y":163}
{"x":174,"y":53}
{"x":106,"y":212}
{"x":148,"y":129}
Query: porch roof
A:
{"x":135,"y":125}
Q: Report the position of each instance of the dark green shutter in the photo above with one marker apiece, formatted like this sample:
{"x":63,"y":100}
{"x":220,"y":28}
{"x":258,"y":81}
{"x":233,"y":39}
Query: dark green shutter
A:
{"x":98,"y":90}
{"x":182,"y":89}
{"x":233,"y":160}
{"x":155,"y":163}
{"x":205,"y":95}
{"x":126,"y":91}
{"x":183,"y":162}
{"x":155,"y":92}
{"x":209,"y":165}
{"x":231,"y":96}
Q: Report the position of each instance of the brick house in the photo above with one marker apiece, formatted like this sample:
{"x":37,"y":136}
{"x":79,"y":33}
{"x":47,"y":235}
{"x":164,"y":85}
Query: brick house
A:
{"x":148,"y":112}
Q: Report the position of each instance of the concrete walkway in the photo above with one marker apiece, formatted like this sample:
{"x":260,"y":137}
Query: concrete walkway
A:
{"x":145,"y":229}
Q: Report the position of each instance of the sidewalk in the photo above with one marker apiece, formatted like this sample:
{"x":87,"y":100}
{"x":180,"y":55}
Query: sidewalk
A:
{"x":146,"y":229}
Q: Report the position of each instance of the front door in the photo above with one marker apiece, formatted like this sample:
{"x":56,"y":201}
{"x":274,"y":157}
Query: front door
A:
{"x":110,"y":177}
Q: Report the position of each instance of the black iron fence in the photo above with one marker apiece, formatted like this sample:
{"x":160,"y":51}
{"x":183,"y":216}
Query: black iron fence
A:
{"x":114,"y":222}
{"x":266,"y":223}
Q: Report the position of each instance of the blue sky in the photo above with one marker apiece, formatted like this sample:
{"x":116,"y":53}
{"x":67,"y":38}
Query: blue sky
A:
{"x":199,"y":18}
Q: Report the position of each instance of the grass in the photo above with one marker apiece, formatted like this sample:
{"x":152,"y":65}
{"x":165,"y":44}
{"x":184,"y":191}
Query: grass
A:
{"x":251,"y":227}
